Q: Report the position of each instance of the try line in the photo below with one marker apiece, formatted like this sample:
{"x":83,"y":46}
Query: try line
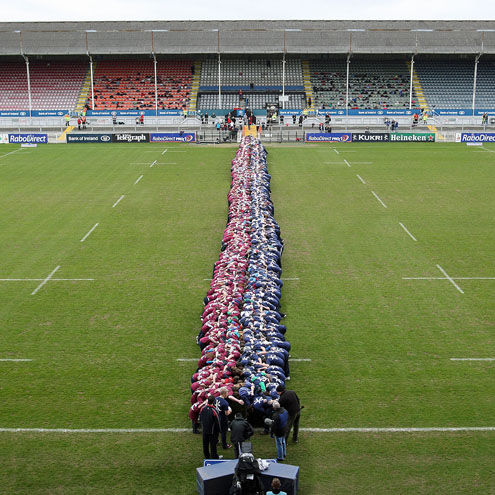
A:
{"x":432,"y":429}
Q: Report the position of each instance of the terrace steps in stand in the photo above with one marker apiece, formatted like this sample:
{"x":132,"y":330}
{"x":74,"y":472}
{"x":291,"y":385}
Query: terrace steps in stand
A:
{"x":83,"y":97}
{"x":308,"y":87}
{"x":193,"y":97}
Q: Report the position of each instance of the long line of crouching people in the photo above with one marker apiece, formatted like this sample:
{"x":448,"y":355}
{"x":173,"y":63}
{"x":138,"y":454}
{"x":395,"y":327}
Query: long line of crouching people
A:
{"x":243,"y":348}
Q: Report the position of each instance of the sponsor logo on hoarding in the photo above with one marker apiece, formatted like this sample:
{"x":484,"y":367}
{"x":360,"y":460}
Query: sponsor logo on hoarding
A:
{"x":175,"y":137}
{"x":328,"y":137}
{"x":28,"y":138}
{"x":421,"y":137}
{"x":475,"y":137}
{"x":371,"y":137}
{"x":131,"y":137}
{"x":89,"y":138}
{"x":4,"y":138}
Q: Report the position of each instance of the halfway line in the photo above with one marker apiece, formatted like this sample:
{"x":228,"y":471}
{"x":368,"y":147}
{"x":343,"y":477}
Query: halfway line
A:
{"x":376,"y":196}
{"x":407,"y":231}
{"x":472,"y":359}
{"x":15,"y":360}
{"x":450,"y":279}
{"x":118,"y":201}
{"x":45,"y":281}
{"x":310,"y":430}
{"x":91,"y":230}
{"x":138,"y":179}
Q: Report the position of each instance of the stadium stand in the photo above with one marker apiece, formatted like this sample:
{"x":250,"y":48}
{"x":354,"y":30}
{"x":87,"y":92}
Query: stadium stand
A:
{"x":258,"y":71}
{"x":449,"y":83}
{"x":373,"y":84}
{"x":446,"y":83}
{"x":251,"y":100}
{"x":129,"y":84}
{"x":54,"y":85}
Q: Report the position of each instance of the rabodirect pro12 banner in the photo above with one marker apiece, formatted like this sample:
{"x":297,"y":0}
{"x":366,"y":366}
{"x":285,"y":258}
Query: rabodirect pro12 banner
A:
{"x":328,"y":137}
{"x":28,"y":138}
{"x":89,"y":138}
{"x":475,"y":137}
{"x":412,"y":137}
{"x":173,"y":137}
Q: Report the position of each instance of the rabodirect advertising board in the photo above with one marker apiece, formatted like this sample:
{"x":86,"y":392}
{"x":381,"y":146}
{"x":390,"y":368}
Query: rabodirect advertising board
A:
{"x":89,"y":138}
{"x":328,"y":137}
{"x":475,"y":137}
{"x":28,"y":138}
{"x":131,"y":137}
{"x":173,"y":137}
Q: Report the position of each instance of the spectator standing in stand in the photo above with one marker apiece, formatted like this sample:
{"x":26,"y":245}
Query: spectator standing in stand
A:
{"x":83,"y":121}
{"x":67,"y":120}
{"x":290,"y":401}
{"x":211,"y":428}
{"x":79,"y":123}
{"x":141,"y":119}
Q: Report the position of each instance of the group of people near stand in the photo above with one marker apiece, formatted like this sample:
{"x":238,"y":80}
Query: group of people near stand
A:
{"x":244,"y":362}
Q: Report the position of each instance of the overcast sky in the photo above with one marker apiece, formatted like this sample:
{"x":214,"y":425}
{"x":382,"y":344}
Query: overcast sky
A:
{"x":106,"y":10}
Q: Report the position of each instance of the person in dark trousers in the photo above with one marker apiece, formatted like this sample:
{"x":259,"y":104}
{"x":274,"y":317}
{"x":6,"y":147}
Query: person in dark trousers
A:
{"x":290,"y":401}
{"x":278,"y":423}
{"x":211,"y":428}
{"x":240,"y":431}
{"x":223,"y":410}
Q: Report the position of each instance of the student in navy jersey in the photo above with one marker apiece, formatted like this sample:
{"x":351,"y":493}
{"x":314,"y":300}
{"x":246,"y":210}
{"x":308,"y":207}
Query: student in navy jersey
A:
{"x":223,"y":409}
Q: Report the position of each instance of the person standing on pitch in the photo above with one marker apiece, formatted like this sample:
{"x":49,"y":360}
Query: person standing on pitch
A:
{"x":211,"y":428}
{"x":290,"y":401}
{"x":240,"y":431}
{"x":223,"y":410}
{"x":278,"y":425}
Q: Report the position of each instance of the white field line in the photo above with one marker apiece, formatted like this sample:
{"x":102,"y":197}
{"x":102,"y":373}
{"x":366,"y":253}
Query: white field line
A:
{"x":39,"y":279}
{"x":164,"y":151}
{"x":310,"y":430}
{"x":139,"y":163}
{"x":377,"y":197}
{"x":138,"y":179}
{"x":472,"y":359}
{"x":336,"y":151}
{"x":450,"y":279}
{"x":486,"y":149}
{"x":153,"y":151}
{"x":90,"y":230}
{"x":347,"y":163}
{"x":362,"y":163}
{"x":445,"y":278}
{"x":45,"y":280}
{"x":177,"y":151}
{"x":151,"y":166}
{"x":14,"y":360}
{"x":360,"y":178}
{"x":118,"y":201}
{"x":333,"y":163}
{"x":407,"y":232}
{"x":10,"y":152}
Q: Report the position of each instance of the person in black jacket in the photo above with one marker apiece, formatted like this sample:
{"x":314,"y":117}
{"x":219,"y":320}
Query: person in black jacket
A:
{"x":240,"y":431}
{"x":211,"y":428}
{"x":278,"y":426}
{"x":290,"y":401}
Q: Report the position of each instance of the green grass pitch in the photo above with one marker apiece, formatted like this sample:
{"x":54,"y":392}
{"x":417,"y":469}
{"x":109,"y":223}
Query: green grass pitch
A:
{"x":104,"y":351}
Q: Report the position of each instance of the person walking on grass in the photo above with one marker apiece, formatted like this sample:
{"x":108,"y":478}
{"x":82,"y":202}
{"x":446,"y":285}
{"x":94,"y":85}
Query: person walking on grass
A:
{"x":290,"y":401}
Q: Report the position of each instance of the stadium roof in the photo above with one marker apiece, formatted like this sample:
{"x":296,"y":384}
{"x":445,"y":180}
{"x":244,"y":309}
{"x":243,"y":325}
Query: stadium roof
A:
{"x":244,"y":37}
